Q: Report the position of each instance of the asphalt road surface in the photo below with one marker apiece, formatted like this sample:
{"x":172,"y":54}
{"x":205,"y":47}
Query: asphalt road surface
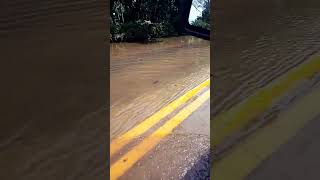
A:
{"x":145,"y":78}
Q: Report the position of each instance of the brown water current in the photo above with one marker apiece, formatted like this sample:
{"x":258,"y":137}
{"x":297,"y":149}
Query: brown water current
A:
{"x":258,"y":41}
{"x":145,"y":77}
{"x":53,"y":90}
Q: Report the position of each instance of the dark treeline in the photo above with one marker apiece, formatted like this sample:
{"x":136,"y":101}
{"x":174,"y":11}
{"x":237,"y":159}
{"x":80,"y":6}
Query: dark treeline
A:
{"x":139,"y":20}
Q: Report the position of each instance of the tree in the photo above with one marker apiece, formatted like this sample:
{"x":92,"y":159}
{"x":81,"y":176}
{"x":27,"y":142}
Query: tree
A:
{"x":203,"y":20}
{"x":132,"y":15}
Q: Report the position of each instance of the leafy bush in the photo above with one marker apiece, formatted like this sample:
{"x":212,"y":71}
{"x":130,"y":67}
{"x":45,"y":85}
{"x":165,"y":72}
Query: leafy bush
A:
{"x":201,"y":23}
{"x":136,"y":31}
{"x":136,"y":20}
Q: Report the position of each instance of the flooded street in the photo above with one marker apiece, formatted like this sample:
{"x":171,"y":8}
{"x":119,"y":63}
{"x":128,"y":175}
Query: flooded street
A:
{"x":265,"y":64}
{"x":145,"y":77}
{"x":257,"y":41}
{"x":53,"y":82}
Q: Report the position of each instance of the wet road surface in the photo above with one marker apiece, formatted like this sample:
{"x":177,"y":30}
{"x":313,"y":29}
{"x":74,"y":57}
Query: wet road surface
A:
{"x":53,"y":123}
{"x":253,"y":157}
{"x":146,"y":78}
{"x":151,"y":75}
{"x":53,"y":113}
{"x":294,"y":160}
{"x":178,"y":153}
{"x":256,"y":43}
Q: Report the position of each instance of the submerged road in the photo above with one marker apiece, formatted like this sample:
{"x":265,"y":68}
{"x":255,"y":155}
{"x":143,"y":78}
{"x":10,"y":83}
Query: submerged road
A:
{"x":265,"y":89}
{"x":298,"y":157}
{"x":53,"y":89}
{"x":160,"y":107}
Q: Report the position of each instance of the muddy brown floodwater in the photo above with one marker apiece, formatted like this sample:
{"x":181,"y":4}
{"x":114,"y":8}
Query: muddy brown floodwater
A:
{"x":53,"y":89}
{"x":256,"y":42}
{"x":145,"y":77}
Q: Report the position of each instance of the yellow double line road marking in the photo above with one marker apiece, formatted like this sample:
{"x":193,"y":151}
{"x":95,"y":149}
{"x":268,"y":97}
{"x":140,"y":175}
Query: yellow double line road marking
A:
{"x":249,"y":154}
{"x":138,"y":130}
{"x":232,"y":121}
{"x":246,"y":156}
{"x":129,"y":159}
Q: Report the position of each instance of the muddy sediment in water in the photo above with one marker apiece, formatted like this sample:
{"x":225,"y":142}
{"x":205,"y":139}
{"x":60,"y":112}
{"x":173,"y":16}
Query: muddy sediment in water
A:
{"x":53,"y":89}
{"x":255,"y":43}
{"x":145,"y":77}
{"x":258,"y":41}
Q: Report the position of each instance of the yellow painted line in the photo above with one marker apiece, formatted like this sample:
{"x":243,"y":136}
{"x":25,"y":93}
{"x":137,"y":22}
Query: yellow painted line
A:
{"x":232,"y":121}
{"x":141,"y":128}
{"x":247,"y":156}
{"x":130,"y":158}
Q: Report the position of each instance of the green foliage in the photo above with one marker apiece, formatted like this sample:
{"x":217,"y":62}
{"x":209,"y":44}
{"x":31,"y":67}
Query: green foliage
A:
{"x":203,"y":20}
{"x":136,"y":31}
{"x":200,"y":23}
{"x":140,"y":20}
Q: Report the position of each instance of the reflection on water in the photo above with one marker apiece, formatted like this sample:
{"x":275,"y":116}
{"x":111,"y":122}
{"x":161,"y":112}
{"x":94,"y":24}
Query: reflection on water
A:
{"x":144,"y":77}
{"x":257,"y":41}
